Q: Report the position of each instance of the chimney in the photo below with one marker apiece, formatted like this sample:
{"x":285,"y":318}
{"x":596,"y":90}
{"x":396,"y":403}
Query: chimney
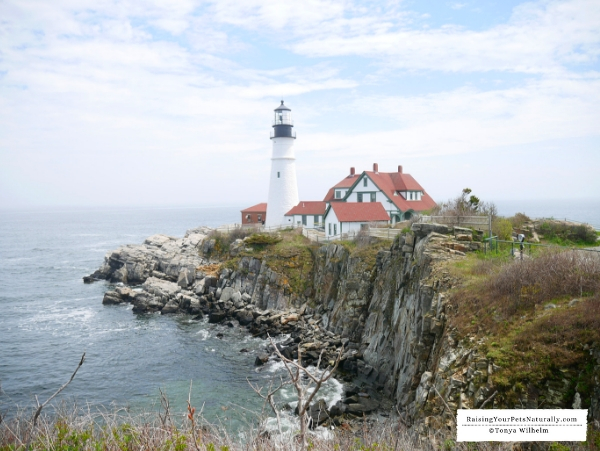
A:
{"x":400,"y":169}
{"x":375,"y":167}
{"x":352,"y":171}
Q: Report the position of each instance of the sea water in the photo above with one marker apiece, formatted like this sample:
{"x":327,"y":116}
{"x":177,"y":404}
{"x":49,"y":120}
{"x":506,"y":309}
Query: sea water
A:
{"x":49,"y":318}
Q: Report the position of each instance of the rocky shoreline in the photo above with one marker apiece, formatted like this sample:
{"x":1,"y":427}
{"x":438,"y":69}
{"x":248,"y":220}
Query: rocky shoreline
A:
{"x":175,"y":279}
{"x":387,"y":315}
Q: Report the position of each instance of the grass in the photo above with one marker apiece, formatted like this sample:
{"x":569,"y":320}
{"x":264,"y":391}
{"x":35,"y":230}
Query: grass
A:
{"x":563,"y":234}
{"x":288,"y":253}
{"x":504,"y":301}
{"x":78,"y":430}
{"x":292,"y":255}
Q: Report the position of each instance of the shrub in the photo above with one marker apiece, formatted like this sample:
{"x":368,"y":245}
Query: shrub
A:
{"x":519,"y":220}
{"x":553,"y":274}
{"x":565,"y":233}
{"x":502,"y":228}
{"x":262,"y":239}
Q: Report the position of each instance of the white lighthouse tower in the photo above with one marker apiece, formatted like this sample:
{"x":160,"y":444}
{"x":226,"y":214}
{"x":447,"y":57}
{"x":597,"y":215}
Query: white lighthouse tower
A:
{"x":283,"y":188}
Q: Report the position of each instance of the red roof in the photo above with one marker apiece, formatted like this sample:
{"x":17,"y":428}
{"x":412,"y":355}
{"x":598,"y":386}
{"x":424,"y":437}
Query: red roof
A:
{"x":258,"y":208}
{"x":308,"y":208}
{"x":346,"y":182}
{"x":359,"y":211}
{"x":391,"y":182}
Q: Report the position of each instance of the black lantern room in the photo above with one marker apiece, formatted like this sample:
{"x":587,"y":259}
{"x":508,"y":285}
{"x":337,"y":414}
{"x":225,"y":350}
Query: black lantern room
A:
{"x":282,"y":124}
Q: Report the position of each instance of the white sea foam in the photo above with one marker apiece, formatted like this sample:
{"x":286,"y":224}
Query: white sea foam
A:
{"x":204,"y":334}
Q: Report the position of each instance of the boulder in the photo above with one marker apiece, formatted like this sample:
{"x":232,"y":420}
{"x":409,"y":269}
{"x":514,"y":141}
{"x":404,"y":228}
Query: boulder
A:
{"x":161,"y":288}
{"x":261,"y":359}
{"x":245,"y":317}
{"x":170,"y":307}
{"x":226,"y":294}
{"x":236,"y":297}
{"x":216,"y":316}
{"x":112,"y":298}
{"x":185,"y":278}
{"x":318,"y":413}
{"x":365,"y":405}
{"x":126,"y":293}
{"x":421,"y":229}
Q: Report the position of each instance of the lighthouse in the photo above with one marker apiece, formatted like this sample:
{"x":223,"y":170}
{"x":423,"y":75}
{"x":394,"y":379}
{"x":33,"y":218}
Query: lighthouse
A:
{"x":283,"y":187}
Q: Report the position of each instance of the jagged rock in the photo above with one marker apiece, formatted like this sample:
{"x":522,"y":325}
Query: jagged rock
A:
{"x":227,"y":294}
{"x":261,"y":359}
{"x":365,"y":405}
{"x":318,"y":413}
{"x":133,"y":264}
{"x":171,"y":307}
{"x":112,"y":298}
{"x":186,"y":277}
{"x":422,"y":229}
{"x":390,"y":316}
{"x":216,"y":316}
{"x":161,"y":288}
{"x":245,"y":317}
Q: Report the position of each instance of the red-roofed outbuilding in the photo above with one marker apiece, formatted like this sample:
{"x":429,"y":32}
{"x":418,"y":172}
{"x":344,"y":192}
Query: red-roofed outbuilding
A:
{"x":257,"y":214}
{"x":307,"y":213}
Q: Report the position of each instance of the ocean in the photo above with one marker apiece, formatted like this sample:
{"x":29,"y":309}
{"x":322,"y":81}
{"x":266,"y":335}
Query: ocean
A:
{"x":49,"y":317}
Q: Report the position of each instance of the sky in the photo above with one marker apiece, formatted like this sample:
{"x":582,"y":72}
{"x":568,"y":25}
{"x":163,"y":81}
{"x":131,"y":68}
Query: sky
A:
{"x":170,"y":102}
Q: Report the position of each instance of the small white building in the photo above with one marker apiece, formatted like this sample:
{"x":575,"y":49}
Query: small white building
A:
{"x":308,"y":214}
{"x":342,"y":218}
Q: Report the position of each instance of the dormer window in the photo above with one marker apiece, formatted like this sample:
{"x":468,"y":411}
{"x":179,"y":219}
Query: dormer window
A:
{"x":338,"y":194}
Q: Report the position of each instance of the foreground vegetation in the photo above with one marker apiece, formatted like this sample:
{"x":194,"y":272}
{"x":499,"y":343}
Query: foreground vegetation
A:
{"x":538,"y":317}
{"x":71,"y":430}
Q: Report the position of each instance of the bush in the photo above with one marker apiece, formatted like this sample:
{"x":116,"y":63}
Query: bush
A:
{"x":565,"y":233}
{"x":502,"y":228}
{"x":262,"y":239}
{"x":531,"y":282}
{"x":519,"y":220}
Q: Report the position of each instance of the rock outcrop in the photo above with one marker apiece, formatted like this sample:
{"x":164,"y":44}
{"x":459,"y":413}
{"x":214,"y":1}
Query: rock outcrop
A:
{"x":388,"y":314}
{"x":160,"y":256}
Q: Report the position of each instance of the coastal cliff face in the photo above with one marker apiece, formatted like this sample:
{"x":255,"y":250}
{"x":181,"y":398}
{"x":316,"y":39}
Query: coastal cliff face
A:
{"x":390,"y":312}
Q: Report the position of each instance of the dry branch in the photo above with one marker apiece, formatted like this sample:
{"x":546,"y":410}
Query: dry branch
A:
{"x":41,"y":406}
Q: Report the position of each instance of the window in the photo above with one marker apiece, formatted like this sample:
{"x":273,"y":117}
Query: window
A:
{"x":373,"y":197}
{"x":303,"y":219}
{"x":364,"y":227}
{"x":278,"y":175}
{"x":359,"y":197}
{"x":365,"y":182}
{"x":248,"y":218}
{"x":330,"y":228}
{"x":316,"y":219}
{"x":338,"y":194}
{"x":335,"y":229}
{"x":259,"y":218}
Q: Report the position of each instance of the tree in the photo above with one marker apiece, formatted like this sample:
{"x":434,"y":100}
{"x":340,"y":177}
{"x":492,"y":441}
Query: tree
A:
{"x":297,"y":373}
{"x":466,"y":204}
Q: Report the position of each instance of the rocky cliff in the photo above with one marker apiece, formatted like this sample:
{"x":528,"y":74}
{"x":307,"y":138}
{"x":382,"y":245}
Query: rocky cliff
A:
{"x":389,"y":310}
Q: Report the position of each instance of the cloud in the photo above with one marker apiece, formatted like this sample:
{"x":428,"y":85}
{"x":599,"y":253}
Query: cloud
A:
{"x":105,"y":97}
{"x":539,"y":38}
